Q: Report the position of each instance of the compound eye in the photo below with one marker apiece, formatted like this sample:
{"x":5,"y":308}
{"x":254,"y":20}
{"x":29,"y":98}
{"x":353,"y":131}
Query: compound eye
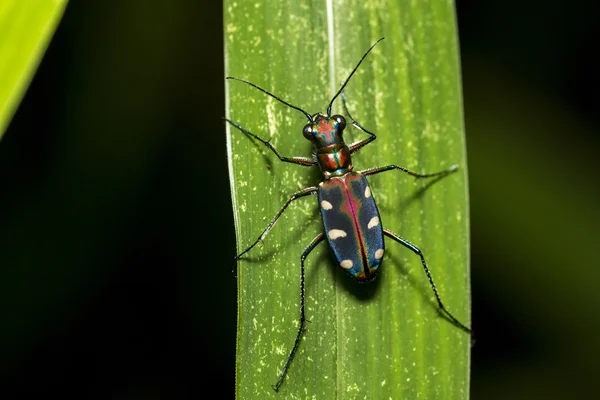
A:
{"x":341,"y":122}
{"x":308,"y":131}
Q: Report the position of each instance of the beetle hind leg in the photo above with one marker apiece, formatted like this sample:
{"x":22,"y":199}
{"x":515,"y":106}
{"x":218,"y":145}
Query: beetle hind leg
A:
{"x":305,"y":254}
{"x":418,"y":252}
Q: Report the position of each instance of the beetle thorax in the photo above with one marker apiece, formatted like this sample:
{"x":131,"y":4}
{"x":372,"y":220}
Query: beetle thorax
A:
{"x":326,"y":134}
{"x":334,"y":160}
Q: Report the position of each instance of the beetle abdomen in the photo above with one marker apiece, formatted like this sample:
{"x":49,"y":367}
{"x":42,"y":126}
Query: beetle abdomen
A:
{"x":352,"y":224}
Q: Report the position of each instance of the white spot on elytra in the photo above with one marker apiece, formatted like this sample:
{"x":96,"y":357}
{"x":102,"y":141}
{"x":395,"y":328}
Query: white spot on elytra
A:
{"x":346,"y":264}
{"x":336,"y":233}
{"x":326,"y":205}
{"x":373,"y":222}
{"x":379,"y":254}
{"x":368,"y":192}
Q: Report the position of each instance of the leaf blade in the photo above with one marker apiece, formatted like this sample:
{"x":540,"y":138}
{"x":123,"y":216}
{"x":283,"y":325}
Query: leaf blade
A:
{"x":374,"y":340}
{"x":26,"y":29}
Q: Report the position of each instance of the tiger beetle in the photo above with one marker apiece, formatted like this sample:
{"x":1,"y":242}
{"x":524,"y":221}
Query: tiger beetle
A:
{"x":351,"y":221}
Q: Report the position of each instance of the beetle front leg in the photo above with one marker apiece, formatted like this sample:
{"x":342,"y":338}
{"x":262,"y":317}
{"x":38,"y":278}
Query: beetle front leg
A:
{"x":418,"y":252}
{"x":301,"y":193}
{"x":304,"y":161}
{"x":354,"y":147}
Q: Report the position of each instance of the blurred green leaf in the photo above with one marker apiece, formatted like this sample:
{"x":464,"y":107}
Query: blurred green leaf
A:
{"x":25,"y":31}
{"x":384,"y":339}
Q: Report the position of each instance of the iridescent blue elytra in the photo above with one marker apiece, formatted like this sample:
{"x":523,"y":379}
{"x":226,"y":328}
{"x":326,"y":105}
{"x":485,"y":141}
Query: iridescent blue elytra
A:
{"x":351,"y":222}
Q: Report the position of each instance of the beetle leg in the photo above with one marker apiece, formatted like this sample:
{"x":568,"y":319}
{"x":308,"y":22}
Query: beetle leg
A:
{"x":376,"y":170}
{"x":310,"y":248}
{"x":304,"y":161}
{"x":418,"y":252}
{"x":360,"y":144}
{"x":301,"y":193}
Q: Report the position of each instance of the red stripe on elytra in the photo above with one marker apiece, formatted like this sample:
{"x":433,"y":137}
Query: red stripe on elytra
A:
{"x":351,"y":201}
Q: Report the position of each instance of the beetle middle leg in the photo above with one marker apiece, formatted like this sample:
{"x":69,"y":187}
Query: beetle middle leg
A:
{"x":376,"y":170}
{"x":301,"y":193}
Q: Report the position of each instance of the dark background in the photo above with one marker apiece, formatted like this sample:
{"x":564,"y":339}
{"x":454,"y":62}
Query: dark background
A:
{"x":117,"y":231}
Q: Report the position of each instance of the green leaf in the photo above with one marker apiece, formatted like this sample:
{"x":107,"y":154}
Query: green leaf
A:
{"x":25,"y":31}
{"x":384,"y":339}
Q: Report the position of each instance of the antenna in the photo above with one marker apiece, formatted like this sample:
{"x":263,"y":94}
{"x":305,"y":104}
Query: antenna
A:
{"x":275,"y":97}
{"x":346,"y":82}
